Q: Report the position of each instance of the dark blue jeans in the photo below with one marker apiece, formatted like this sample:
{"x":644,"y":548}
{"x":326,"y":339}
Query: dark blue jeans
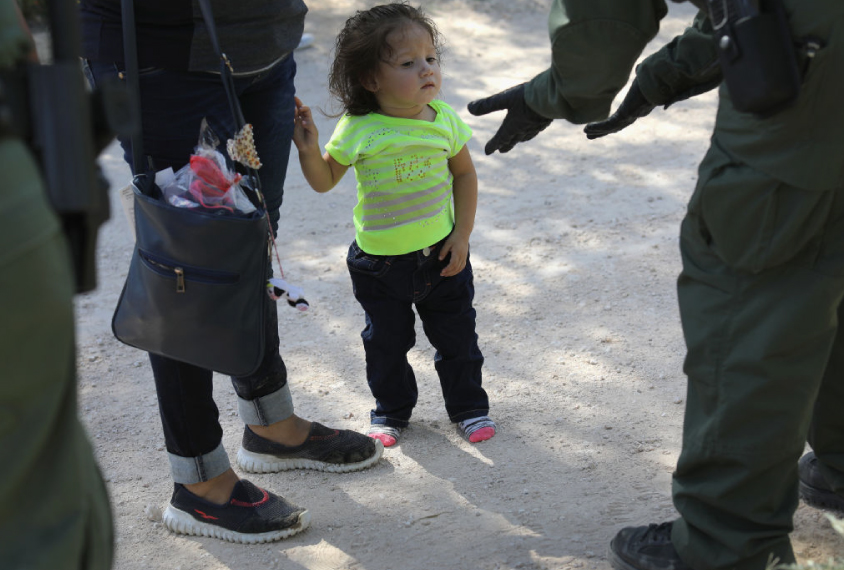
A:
{"x":173,"y":105}
{"x":387,"y":287}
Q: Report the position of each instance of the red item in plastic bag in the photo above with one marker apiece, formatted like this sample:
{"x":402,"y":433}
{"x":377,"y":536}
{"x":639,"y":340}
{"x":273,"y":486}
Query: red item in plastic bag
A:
{"x":211,"y":183}
{"x":210,"y":173}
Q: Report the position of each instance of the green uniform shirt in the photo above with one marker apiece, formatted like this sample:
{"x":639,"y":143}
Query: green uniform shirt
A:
{"x":803,"y":145}
{"x":596,"y":43}
{"x":687,"y":66}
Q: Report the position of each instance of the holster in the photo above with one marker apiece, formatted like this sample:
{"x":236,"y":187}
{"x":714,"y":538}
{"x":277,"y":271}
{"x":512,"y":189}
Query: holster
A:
{"x":757,"y":54}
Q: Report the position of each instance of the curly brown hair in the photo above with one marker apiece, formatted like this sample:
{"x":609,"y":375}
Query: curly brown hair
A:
{"x":362,"y":45}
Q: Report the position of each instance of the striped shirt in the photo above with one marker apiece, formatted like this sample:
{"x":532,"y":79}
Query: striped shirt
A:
{"x":404,"y":185}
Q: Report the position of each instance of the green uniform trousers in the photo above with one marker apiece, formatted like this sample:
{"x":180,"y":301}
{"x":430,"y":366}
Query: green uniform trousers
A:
{"x":760,"y":296}
{"x":54,"y":509}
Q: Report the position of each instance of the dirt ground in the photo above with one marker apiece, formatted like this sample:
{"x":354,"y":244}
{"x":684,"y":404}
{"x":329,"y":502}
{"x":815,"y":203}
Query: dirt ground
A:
{"x":575,"y":256}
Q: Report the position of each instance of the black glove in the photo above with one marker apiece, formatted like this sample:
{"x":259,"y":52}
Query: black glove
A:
{"x":632,"y":107}
{"x":521,"y":123}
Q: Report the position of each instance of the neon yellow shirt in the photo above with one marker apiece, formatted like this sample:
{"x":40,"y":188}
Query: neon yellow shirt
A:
{"x":403,"y":180}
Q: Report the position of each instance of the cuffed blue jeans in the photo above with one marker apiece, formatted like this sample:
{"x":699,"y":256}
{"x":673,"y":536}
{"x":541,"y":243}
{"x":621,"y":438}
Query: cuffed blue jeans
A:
{"x":387,"y":287}
{"x":173,"y":105}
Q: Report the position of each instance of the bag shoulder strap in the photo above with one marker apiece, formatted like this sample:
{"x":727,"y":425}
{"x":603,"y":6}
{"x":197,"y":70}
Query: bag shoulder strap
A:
{"x":130,"y":55}
{"x":225,"y":65}
{"x":130,"y":59}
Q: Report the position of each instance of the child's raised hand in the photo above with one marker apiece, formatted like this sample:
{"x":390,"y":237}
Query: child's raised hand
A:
{"x":305,"y":133}
{"x":458,"y":247}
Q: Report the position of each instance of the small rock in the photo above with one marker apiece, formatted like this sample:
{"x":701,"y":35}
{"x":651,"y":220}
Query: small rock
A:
{"x":153,"y":513}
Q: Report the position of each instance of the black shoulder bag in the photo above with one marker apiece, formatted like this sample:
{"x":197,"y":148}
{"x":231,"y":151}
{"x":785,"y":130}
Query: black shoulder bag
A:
{"x":196,"y":286}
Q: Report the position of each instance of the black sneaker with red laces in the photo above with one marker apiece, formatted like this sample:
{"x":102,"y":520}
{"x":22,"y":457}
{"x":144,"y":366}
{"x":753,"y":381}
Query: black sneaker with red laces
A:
{"x":251,"y":516}
{"x":645,"y":548}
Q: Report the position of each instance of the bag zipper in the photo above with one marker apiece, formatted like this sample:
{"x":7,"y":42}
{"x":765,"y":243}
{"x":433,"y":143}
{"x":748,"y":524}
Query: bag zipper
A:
{"x":185,"y":273}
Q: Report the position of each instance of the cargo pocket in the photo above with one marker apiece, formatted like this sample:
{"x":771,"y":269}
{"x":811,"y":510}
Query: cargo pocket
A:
{"x":753,"y":222}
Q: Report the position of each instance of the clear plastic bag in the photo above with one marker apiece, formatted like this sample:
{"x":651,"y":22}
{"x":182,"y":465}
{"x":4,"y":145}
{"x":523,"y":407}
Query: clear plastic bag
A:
{"x":207,"y":182}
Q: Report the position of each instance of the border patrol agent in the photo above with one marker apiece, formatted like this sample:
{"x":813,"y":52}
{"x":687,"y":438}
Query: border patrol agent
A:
{"x":54,"y":508}
{"x":762,"y":283}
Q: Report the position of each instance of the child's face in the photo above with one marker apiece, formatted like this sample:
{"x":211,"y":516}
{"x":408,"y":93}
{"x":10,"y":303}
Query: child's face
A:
{"x":411,"y":78}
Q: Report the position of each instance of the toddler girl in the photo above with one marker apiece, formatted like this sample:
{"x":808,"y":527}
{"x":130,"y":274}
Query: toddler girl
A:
{"x":411,"y":245}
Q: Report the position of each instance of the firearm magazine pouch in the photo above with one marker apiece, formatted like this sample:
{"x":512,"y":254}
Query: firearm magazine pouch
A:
{"x":758,"y":59}
{"x":196,"y":286}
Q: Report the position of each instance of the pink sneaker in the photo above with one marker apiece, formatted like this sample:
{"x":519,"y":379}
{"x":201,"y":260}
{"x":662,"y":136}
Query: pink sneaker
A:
{"x":476,"y":429}
{"x":482,"y":434}
{"x":387,"y":435}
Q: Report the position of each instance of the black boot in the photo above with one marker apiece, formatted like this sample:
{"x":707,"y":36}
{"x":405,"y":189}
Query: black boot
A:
{"x":814,"y":490}
{"x":645,"y":548}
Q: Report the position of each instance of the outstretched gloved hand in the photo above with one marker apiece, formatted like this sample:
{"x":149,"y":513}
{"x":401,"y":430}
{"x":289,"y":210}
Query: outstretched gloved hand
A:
{"x":521,"y":123}
{"x":633,"y":106}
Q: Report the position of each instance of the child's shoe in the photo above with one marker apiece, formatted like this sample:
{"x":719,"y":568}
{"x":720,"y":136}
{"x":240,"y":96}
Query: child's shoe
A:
{"x":476,"y":429}
{"x":385,"y":434}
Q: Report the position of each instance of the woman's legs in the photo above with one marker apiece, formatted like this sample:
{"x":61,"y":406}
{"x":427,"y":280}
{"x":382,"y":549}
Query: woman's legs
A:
{"x":173,"y":106}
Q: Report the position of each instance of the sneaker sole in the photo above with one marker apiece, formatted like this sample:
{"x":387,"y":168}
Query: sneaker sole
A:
{"x":263,"y":463}
{"x":821,"y":499}
{"x":181,"y":522}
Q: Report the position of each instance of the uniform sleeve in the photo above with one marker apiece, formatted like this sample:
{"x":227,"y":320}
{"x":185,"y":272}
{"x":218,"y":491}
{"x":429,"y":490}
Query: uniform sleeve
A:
{"x":685,"y":67}
{"x":15,"y":43}
{"x":594,"y":45}
{"x":341,"y":146}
